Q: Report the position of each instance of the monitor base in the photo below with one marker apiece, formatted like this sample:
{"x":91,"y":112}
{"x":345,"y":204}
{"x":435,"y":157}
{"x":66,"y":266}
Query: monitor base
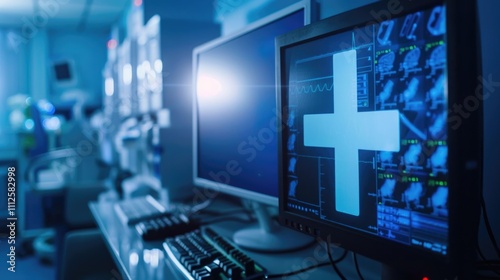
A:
{"x":268,"y":236}
{"x":280,"y":240}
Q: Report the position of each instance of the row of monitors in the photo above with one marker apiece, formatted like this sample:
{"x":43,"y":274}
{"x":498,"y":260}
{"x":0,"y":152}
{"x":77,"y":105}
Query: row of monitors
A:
{"x":363,"y":143}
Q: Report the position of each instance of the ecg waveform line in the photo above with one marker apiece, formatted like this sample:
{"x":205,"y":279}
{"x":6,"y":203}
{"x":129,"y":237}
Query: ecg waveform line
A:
{"x":312,"y":88}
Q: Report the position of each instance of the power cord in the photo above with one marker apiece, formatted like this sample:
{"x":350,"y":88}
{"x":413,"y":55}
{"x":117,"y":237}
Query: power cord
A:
{"x":201,"y":206}
{"x":491,"y":266}
{"x":354,"y":256}
{"x":488,"y":226}
{"x":228,"y":217}
{"x":213,"y":213}
{"x":334,"y":265}
{"x":487,"y":265}
{"x":295,"y":272}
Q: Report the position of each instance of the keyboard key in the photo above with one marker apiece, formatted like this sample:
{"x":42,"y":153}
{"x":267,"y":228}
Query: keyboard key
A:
{"x":234,"y":271}
{"x":167,"y":226}
{"x":203,"y":254}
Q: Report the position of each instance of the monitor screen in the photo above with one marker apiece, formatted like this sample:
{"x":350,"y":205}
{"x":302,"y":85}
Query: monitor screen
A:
{"x":62,"y":71}
{"x":235,"y":140}
{"x":368,"y":117}
{"x":365,"y":144}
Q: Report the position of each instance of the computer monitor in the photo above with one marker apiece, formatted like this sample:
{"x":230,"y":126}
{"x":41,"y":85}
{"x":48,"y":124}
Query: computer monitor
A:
{"x":380,"y":147}
{"x":235,"y":120}
{"x":65,"y":74}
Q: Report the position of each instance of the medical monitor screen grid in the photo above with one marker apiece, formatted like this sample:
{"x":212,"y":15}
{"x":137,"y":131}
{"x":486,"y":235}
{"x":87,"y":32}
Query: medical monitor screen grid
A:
{"x":365,"y":140}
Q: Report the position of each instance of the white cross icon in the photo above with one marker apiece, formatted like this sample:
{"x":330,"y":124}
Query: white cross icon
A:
{"x":349,"y":131}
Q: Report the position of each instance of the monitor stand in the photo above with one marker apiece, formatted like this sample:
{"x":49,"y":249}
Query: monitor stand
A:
{"x":269,"y":236}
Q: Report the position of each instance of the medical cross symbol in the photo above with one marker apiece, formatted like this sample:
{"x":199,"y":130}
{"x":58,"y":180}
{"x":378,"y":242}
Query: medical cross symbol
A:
{"x":349,"y":131}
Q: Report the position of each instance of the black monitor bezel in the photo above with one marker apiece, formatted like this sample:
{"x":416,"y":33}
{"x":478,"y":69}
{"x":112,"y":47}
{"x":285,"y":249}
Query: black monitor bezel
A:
{"x":464,"y":143}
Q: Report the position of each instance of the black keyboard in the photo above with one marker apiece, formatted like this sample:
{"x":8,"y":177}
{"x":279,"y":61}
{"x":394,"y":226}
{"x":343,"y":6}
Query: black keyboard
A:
{"x":168,"y":225}
{"x":132,"y":211}
{"x":203,"y":254}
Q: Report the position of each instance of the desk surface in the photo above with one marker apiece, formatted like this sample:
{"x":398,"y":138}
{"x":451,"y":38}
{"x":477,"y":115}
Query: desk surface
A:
{"x":137,"y":259}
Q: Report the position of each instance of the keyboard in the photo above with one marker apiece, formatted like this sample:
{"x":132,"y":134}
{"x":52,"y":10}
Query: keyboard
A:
{"x":168,"y":225}
{"x":132,"y":211}
{"x":203,"y":254}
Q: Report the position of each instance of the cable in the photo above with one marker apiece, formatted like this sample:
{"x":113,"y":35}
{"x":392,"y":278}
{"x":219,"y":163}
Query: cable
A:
{"x":297,"y":271}
{"x":334,"y":265}
{"x":341,"y":258}
{"x":485,"y":261}
{"x":226,"y":213}
{"x":492,"y":266}
{"x":489,"y":265}
{"x":201,"y":206}
{"x":224,"y":219}
{"x":354,"y":256}
{"x":207,"y":211}
{"x":488,"y":227}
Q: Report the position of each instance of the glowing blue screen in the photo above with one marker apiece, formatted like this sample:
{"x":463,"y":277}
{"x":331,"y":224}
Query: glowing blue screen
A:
{"x":236,"y":99}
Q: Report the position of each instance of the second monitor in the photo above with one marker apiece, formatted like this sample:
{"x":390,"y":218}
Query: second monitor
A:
{"x":235,"y":120}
